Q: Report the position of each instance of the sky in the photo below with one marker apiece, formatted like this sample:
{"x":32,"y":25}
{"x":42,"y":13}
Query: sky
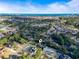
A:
{"x":39,"y":6}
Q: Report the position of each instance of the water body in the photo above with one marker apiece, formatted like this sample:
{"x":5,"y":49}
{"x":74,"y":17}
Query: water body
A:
{"x":39,"y":14}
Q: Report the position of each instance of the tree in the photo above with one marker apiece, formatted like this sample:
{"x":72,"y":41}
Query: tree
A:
{"x":78,"y":35}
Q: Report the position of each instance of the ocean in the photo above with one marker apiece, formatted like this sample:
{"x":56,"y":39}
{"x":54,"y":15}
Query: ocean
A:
{"x":39,"y":14}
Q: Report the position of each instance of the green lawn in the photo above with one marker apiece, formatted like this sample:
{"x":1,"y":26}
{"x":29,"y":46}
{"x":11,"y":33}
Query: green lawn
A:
{"x":38,"y":53}
{"x":3,"y":41}
{"x":2,"y":31}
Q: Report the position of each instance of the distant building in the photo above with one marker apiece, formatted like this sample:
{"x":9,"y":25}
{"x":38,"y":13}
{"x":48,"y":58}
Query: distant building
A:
{"x":62,"y":56}
{"x":14,"y":57}
{"x":1,"y":35}
{"x":50,"y":53}
{"x":30,"y":50}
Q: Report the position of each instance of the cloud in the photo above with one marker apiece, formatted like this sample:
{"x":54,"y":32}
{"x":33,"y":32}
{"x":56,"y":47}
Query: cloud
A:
{"x":69,"y":7}
{"x":74,"y":5}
